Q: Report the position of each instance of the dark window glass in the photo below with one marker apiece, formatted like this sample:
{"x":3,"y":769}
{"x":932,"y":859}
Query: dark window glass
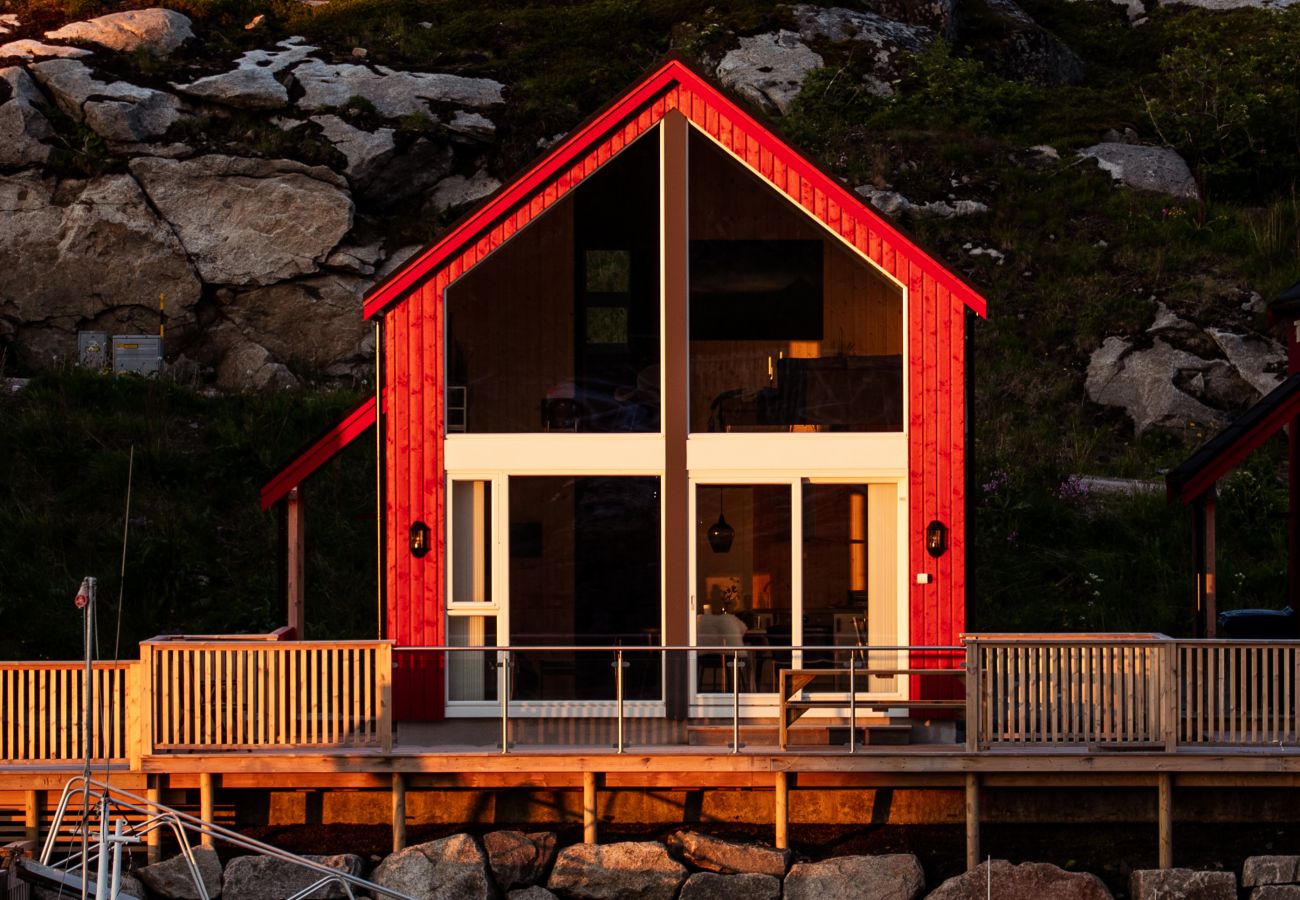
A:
{"x":584,"y":569}
{"x":790,"y":330}
{"x":558,"y":330}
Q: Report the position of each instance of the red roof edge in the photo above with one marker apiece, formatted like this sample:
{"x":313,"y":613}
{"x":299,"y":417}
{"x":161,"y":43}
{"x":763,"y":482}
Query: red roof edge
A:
{"x":1230,"y":447}
{"x":672,"y":72}
{"x":320,"y":452}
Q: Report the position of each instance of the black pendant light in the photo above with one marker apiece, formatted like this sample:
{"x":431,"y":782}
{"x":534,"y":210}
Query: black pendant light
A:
{"x":720,"y":533}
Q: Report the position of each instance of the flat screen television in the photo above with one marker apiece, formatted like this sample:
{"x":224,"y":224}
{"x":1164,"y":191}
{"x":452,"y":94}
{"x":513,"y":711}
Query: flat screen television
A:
{"x":755,"y":290}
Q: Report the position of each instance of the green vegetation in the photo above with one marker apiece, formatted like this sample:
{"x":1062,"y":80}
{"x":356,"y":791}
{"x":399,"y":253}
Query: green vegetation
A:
{"x":1083,"y":259}
{"x":201,"y":556}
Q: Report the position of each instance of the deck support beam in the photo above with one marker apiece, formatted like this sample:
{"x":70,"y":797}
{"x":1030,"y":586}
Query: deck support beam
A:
{"x":206,"y":790}
{"x":297,"y":552}
{"x":782,"y":811}
{"x":32,"y":816}
{"x":399,"y":811}
{"x":589,"y":798}
{"x":972,"y":820}
{"x":153,"y":793}
{"x":1165,"y":818}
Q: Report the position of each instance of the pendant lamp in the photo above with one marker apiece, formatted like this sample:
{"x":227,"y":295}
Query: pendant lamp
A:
{"x":720,"y":533}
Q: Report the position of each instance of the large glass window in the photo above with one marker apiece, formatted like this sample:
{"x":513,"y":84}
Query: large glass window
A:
{"x":850,"y":574}
{"x":559,"y":329}
{"x":584,"y":570}
{"x":789,"y":329}
{"x":743,"y":585}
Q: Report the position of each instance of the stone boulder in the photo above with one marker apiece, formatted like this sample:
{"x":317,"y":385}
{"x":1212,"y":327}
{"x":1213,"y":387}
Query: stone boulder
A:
{"x":171,"y":879}
{"x":30,"y":49}
{"x":265,"y":878}
{"x":709,"y":886}
{"x":1260,"y":870}
{"x":453,"y":868}
{"x":241,"y":364}
{"x":8,"y":22}
{"x":409,"y":173}
{"x":894,"y":876}
{"x":519,"y":859}
{"x":159,"y":31}
{"x":1144,"y":167}
{"x":116,"y":111}
{"x":368,"y":152}
{"x":886,"y":41}
{"x":1028,"y":881}
{"x":56,"y":243}
{"x":769,"y":69}
{"x":893,"y":203}
{"x":1025,"y":50}
{"x":532,"y":892}
{"x":249,"y":221}
{"x":458,"y":190}
{"x":626,"y":871}
{"x":255,"y":82}
{"x":1182,"y":884}
{"x":938,"y":15}
{"x":1260,"y":361}
{"x":393,"y":94}
{"x":472,"y":125}
{"x":714,"y":854}
{"x":23,"y":129}
{"x":1143,"y":384}
{"x":1276,"y":892}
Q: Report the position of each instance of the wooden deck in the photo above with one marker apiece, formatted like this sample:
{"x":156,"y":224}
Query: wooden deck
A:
{"x":1139,"y":711}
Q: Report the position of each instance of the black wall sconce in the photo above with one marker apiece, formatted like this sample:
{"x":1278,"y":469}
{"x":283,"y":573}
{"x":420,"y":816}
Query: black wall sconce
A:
{"x":936,"y":538}
{"x":721,"y":534}
{"x":419,"y":539}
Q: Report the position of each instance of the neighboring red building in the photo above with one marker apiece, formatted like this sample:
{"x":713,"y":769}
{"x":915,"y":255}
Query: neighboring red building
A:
{"x":671,"y":334}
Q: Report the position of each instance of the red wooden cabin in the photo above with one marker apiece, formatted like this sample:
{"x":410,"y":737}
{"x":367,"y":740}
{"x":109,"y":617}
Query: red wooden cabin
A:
{"x":672,"y":385}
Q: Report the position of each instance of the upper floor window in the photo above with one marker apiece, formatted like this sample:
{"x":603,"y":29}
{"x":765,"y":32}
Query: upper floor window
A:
{"x":790,"y":330}
{"x":558,"y":330}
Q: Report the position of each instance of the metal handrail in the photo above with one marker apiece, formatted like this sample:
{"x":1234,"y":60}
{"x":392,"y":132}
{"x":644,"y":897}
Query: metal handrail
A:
{"x":183,"y":825}
{"x":504,"y":655}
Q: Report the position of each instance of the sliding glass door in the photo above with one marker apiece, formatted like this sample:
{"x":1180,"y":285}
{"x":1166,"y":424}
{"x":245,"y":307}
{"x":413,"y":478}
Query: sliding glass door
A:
{"x":798,"y":562}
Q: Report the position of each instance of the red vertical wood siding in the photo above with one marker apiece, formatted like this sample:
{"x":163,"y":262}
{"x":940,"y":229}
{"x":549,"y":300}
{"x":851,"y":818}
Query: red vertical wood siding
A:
{"x":414,"y":301}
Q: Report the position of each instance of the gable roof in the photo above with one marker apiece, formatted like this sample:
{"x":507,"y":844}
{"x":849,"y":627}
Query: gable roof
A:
{"x":674,"y":85}
{"x":1227,"y":449}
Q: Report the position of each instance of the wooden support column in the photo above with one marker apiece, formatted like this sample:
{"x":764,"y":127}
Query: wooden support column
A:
{"x":782,"y":811}
{"x":1203,"y":514}
{"x":1211,"y":582}
{"x":1165,"y":818}
{"x":589,"y":807}
{"x":677,"y":530}
{"x":206,"y":788}
{"x":297,"y":552}
{"x":154,"y":839}
{"x":972,"y":820}
{"x":399,"y":812}
{"x":32,"y":816}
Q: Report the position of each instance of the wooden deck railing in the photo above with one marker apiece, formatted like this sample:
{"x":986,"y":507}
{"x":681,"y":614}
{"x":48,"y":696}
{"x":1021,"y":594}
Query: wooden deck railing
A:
{"x":258,"y":695}
{"x":1098,"y":691}
{"x":1238,"y":693}
{"x":1068,"y":689}
{"x":41,"y":714}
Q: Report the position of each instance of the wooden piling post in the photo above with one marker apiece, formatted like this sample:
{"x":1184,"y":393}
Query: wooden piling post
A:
{"x":32,"y":816}
{"x":1165,"y":818}
{"x":589,"y":807}
{"x":782,"y":812}
{"x":154,"y":839}
{"x":972,"y":820}
{"x":206,"y":780}
{"x":399,"y":812}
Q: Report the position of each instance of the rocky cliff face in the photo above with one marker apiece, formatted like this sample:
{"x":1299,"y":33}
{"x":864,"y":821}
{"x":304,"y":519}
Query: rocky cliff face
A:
{"x":263,"y":192}
{"x":262,"y":259}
